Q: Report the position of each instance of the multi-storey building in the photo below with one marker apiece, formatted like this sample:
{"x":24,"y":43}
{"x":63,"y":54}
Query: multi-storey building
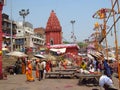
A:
{"x":7,"y":26}
{"x":22,"y":37}
{"x":28,"y":37}
{"x":39,"y":38}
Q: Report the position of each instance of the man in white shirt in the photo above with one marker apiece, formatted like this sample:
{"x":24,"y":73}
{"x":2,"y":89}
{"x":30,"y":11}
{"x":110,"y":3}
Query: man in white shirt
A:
{"x":106,"y":83}
{"x":44,"y":70}
{"x":44,"y":63}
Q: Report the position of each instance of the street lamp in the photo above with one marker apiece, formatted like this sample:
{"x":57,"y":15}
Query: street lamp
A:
{"x":73,"y":35}
{"x":11,"y":32}
{"x":24,"y":13}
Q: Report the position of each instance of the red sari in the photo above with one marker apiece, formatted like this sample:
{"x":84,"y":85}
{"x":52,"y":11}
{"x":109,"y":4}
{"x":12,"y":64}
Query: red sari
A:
{"x":47,"y":67}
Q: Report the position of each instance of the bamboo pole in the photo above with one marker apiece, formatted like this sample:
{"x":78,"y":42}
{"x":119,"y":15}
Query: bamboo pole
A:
{"x":116,"y":43}
{"x":106,"y":43}
{"x":96,"y":35}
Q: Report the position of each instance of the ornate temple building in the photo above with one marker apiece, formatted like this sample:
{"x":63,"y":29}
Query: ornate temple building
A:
{"x":53,"y":30}
{"x":53,"y":34}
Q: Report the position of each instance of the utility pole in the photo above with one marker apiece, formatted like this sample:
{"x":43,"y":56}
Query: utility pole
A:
{"x":11,"y":31}
{"x":73,"y":34}
{"x":116,"y":40}
{"x":96,"y":28}
{"x":24,"y":13}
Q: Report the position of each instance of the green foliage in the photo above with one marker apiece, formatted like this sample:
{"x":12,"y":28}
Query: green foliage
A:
{"x":81,"y":44}
{"x":65,"y":42}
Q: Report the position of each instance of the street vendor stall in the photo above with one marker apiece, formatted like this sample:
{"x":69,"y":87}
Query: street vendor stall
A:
{"x":88,"y":79}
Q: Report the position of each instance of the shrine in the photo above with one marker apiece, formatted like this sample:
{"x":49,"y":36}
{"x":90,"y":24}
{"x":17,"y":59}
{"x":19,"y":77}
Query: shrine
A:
{"x":53,"y":30}
{"x":54,"y":36}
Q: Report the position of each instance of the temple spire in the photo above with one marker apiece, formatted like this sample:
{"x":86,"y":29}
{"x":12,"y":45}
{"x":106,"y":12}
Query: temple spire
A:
{"x":53,"y":30}
{"x":53,"y":22}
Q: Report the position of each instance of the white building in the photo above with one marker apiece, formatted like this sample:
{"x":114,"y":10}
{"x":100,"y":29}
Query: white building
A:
{"x":25,"y":36}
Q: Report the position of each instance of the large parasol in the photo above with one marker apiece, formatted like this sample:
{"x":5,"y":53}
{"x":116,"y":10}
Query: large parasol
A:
{"x":39,"y":56}
{"x":17,"y":54}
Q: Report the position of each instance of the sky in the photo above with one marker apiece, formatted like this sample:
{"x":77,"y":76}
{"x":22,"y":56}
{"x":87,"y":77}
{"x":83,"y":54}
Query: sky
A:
{"x":66,"y":10}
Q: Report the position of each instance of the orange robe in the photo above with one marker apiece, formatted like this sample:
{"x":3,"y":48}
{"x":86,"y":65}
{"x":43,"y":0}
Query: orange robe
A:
{"x":29,"y":73}
{"x":23,"y":68}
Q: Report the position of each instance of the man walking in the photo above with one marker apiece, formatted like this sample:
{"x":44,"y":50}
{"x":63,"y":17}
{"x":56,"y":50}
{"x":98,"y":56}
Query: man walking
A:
{"x":41,"y":70}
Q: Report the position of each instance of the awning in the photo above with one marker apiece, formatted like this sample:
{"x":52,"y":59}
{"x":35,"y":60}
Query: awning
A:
{"x":61,"y":50}
{"x":64,"y":46}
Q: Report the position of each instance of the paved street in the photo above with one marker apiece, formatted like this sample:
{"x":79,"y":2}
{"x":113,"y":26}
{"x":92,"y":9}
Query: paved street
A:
{"x":18,"y":82}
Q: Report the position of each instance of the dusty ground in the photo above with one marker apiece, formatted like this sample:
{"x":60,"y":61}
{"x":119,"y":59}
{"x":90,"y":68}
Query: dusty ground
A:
{"x":18,"y":82}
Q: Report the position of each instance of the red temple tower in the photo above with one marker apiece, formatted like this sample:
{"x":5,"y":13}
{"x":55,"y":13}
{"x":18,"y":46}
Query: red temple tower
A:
{"x":53,"y":30}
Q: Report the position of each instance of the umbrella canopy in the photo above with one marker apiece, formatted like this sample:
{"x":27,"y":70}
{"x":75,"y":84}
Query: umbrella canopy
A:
{"x":5,"y":49}
{"x":17,"y":54}
{"x":39,"y":56}
{"x":34,"y":58}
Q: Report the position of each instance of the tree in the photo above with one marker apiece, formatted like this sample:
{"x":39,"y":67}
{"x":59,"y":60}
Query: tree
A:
{"x":82,"y":45}
{"x":66,"y":42}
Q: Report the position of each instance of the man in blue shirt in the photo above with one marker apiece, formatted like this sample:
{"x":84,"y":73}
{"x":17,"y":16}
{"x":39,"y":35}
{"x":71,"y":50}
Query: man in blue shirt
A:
{"x":107,"y":68}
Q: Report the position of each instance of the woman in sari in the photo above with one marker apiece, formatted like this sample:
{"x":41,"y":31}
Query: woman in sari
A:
{"x":29,"y":72}
{"x":47,"y":67}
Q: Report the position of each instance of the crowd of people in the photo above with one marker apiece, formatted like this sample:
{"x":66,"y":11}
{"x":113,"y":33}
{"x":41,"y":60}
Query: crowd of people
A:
{"x":25,"y":66}
{"x":97,"y":65}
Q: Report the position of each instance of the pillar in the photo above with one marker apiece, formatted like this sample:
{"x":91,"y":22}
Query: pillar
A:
{"x":1,"y":7}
